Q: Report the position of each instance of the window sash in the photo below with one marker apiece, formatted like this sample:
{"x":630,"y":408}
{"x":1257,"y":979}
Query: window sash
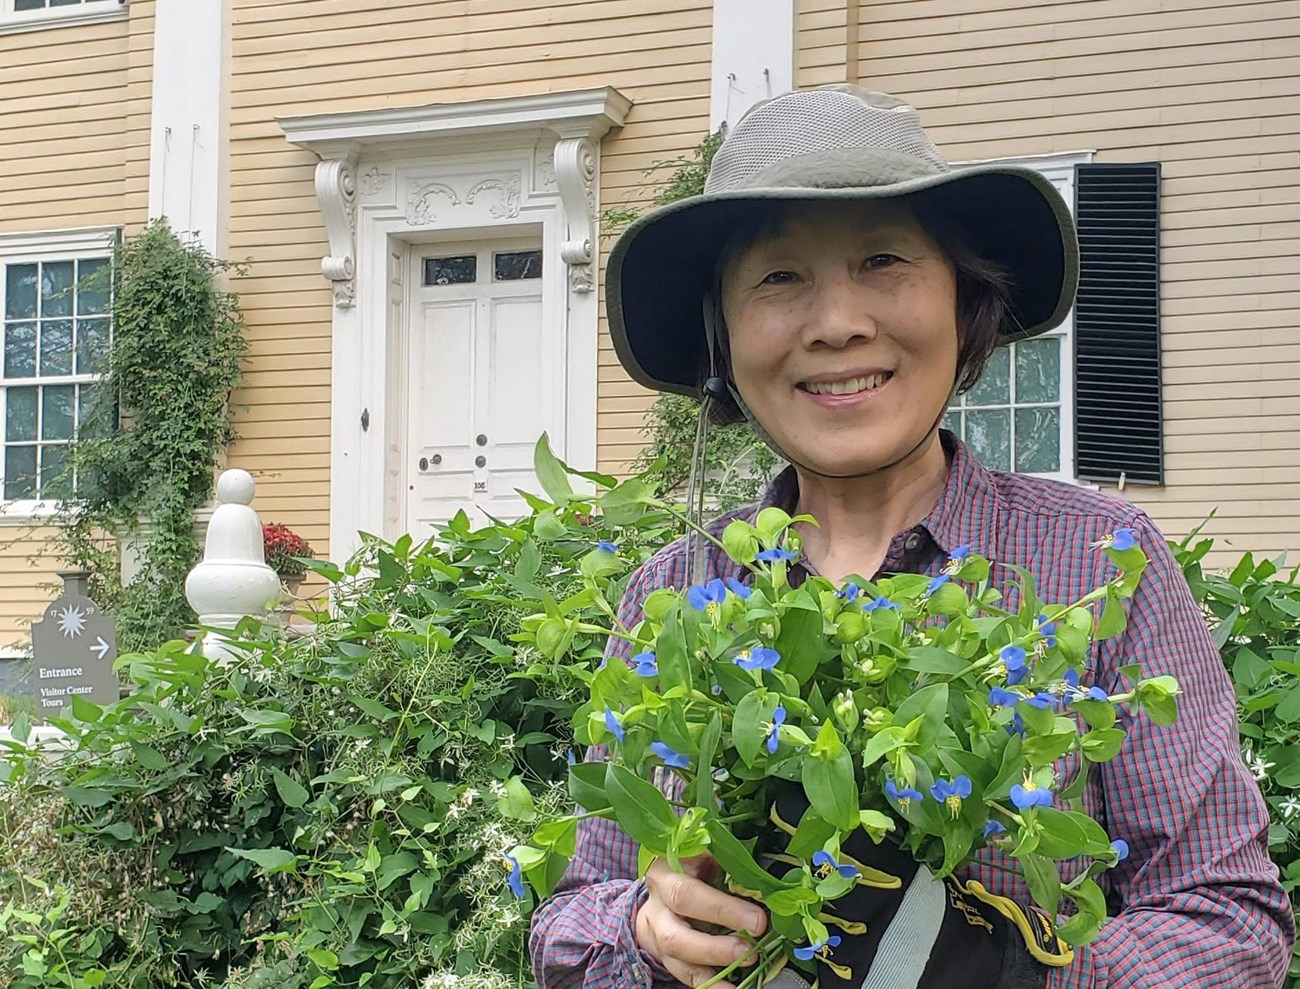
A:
{"x":85,"y":10}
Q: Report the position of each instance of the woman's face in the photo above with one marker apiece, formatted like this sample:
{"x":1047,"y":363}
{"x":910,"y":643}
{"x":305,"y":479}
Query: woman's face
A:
{"x":842,"y":324}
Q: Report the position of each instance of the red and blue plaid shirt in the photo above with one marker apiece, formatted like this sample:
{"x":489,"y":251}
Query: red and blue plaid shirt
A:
{"x":1200,"y":903}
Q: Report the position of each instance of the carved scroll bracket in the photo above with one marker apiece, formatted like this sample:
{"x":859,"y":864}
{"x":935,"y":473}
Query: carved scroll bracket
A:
{"x":575,"y":174}
{"x":336,"y":189}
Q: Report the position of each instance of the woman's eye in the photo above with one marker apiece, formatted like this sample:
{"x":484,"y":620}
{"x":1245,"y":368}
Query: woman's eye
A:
{"x":779,"y":278}
{"x":882,"y":260}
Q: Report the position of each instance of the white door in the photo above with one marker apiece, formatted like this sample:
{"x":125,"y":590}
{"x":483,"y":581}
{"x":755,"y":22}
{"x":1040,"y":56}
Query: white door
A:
{"x":485,"y":380}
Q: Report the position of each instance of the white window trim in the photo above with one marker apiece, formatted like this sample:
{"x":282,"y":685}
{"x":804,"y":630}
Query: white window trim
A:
{"x":64,"y":245}
{"x":12,"y":21}
{"x":1057,"y":167}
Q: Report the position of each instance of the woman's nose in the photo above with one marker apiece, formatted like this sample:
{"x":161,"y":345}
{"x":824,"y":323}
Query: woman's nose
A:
{"x":840,"y":315}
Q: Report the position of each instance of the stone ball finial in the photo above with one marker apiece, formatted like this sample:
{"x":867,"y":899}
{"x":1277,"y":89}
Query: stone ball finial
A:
{"x":236,"y":487}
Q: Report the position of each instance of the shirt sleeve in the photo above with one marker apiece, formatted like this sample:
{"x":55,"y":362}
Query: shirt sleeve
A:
{"x":583,"y":935}
{"x":1201,"y":903}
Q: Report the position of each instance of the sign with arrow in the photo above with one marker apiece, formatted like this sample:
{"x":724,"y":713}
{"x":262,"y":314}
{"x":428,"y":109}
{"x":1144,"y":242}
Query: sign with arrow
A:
{"x":73,"y":649}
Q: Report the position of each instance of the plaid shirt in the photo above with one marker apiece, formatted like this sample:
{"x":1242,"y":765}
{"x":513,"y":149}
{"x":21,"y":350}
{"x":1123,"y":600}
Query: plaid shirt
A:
{"x":1201,"y":905}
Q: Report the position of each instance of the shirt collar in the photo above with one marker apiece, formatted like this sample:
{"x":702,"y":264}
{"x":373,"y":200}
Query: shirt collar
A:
{"x":964,"y":515}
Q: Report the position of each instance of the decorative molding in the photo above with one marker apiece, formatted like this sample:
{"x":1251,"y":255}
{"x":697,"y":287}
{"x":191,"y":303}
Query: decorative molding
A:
{"x":88,"y":240}
{"x":336,"y":190}
{"x":575,"y":173}
{"x":374,"y":180}
{"x":425,"y":199}
{"x":544,"y":169}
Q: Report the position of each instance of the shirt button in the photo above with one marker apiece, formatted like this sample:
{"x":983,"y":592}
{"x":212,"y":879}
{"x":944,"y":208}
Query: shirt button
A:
{"x":912,"y":541}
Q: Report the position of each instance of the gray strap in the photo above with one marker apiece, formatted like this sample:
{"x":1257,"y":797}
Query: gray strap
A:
{"x":907,"y":943}
{"x":787,"y":978}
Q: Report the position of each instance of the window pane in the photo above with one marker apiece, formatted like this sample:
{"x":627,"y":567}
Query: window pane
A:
{"x":56,"y":412}
{"x":989,"y":435}
{"x":20,"y":414}
{"x":20,"y":291}
{"x":56,"y":347}
{"x":1038,"y":440}
{"x":56,"y":479}
{"x":21,"y":5}
{"x":514,"y":265}
{"x":952,"y":420}
{"x":56,"y":288}
{"x":93,"y":286}
{"x":994,"y":385}
{"x":1038,"y":370}
{"x":451,"y":271}
{"x":92,"y":345}
{"x":20,"y":350}
{"x":20,"y":472}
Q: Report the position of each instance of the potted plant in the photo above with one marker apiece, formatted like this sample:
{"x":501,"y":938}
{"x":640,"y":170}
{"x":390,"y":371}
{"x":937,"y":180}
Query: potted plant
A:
{"x":287,"y":554}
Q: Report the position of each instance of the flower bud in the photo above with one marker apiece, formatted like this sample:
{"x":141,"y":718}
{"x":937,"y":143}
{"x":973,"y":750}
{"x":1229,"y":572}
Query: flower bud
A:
{"x":876,"y":719}
{"x":849,"y":627}
{"x":845,"y":710}
{"x":874,"y":669}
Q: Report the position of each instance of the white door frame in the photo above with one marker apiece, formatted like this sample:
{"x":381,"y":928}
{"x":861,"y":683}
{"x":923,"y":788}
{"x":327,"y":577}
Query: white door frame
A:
{"x":391,"y":177}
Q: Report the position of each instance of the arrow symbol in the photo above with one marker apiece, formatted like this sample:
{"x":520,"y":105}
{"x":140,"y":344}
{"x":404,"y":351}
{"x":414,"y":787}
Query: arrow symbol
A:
{"x":100,"y":646}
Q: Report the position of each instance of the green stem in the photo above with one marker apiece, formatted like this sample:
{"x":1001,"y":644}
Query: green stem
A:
{"x":762,"y":947}
{"x":691,"y":524}
{"x":1009,"y":812}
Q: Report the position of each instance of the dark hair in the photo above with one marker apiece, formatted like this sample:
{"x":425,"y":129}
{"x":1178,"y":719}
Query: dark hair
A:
{"x":983,"y":296}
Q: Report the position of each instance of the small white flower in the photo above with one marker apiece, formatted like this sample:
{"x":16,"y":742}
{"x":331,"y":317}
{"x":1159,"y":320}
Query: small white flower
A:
{"x":1290,"y":807}
{"x":498,"y":789}
{"x":1258,"y":767}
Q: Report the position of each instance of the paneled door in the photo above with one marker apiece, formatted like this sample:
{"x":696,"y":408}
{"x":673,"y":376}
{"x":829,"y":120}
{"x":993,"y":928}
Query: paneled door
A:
{"x":486,"y":378}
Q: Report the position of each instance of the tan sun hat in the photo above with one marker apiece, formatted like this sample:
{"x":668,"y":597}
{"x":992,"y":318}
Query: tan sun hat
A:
{"x":837,"y":142}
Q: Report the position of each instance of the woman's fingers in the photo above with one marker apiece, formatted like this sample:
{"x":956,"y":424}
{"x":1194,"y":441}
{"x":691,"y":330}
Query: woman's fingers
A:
{"x":677,"y":939}
{"x":689,"y":897}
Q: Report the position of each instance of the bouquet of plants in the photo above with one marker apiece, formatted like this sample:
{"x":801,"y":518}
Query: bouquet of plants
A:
{"x":286,"y":552}
{"x":918,"y":709}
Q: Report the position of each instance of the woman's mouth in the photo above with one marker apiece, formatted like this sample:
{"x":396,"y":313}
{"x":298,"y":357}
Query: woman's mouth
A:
{"x":847,"y":387}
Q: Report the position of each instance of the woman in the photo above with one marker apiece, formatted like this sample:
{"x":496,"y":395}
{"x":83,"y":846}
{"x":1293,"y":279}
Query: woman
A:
{"x":835,"y":285}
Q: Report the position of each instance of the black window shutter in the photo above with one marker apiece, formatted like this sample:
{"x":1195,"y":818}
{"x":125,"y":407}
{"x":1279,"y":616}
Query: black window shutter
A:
{"x":1118,"y":429}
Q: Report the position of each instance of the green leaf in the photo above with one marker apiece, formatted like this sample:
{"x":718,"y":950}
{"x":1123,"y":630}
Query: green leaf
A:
{"x":84,"y":710}
{"x":293,"y":793}
{"x":1098,"y":714}
{"x":882,"y":743}
{"x":85,"y":796}
{"x":801,"y":644}
{"x":739,"y":863}
{"x":1113,"y":618}
{"x":931,"y":705}
{"x":829,"y":782}
{"x":929,"y":659}
{"x":551,"y":473}
{"x":516,"y":803}
{"x":1043,"y":880}
{"x":1043,"y":750}
{"x":625,"y":504}
{"x":671,"y":653}
{"x":749,"y":725}
{"x":642,"y":810}
{"x":1102,"y":744}
{"x":1061,"y":836}
{"x":270,"y":860}
{"x":709,"y":741}
{"x":740,"y":542}
{"x":1288,"y":708}
{"x":394,"y":867}
{"x":1080,"y":929}
{"x":560,"y":835}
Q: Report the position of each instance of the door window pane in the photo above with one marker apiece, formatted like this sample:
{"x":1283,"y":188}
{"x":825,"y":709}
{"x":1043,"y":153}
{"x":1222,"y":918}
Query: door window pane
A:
{"x":20,"y":351}
{"x":511,"y":266}
{"x":1038,"y":440}
{"x":458,"y":270}
{"x":1038,"y":370}
{"x":988,"y":431}
{"x":994,"y":385}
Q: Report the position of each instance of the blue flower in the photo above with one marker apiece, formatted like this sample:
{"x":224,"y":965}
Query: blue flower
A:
{"x":1041,"y":700}
{"x":773,"y":555}
{"x":670,"y":757}
{"x":1001,"y":697}
{"x":952,"y":793}
{"x":716,"y":690}
{"x":937,"y":583}
{"x":903,"y":796}
{"x":614,"y":725}
{"x":570,"y":757}
{"x":992,"y":827}
{"x":825,"y":864}
{"x":646,"y":664}
{"x":1120,"y":847}
{"x":774,"y":729}
{"x":758,"y":658}
{"x":850,"y":592}
{"x":739,"y":589}
{"x":1047,"y":630}
{"x":708,"y":597}
{"x":1013,"y":658}
{"x":956,"y":559}
{"x":1030,"y":795}
{"x":813,"y":950}
{"x":606,"y":546}
{"x":516,"y":880}
{"x":1120,"y":539}
{"x":877,"y":603}
{"x":1017,"y":726}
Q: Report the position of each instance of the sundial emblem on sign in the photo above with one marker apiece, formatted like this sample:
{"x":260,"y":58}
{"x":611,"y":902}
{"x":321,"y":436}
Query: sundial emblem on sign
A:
{"x":73,"y":648}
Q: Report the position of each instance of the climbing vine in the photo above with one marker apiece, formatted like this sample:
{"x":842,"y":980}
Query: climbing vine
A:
{"x":146,"y":451}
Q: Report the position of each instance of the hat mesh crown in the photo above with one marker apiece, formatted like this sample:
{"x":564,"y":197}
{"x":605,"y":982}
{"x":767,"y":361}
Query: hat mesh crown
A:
{"x":809,"y":121}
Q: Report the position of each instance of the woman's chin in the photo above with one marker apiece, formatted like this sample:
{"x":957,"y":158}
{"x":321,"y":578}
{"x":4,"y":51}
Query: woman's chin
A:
{"x":831,"y":459}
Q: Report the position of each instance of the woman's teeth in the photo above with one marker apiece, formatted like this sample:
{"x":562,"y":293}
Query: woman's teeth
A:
{"x":849,"y":387}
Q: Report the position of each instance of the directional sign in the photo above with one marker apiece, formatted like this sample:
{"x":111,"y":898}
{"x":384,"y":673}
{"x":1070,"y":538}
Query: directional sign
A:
{"x":73,"y":648}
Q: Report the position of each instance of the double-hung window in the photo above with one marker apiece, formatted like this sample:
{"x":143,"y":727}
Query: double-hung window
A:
{"x":34,"y":13}
{"x":55,"y":332}
{"x":1020,"y":414}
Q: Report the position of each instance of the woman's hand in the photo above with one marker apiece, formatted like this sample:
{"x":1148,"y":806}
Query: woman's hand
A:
{"x":663,"y":924}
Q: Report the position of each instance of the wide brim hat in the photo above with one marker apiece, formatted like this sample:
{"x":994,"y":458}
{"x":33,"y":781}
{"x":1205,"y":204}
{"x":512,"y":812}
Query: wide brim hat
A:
{"x":833,"y":143}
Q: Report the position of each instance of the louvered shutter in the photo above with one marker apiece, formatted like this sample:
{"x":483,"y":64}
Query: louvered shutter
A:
{"x":1118,"y":428}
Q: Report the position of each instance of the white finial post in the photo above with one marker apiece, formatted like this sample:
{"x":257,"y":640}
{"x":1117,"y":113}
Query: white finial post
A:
{"x":232,"y":581}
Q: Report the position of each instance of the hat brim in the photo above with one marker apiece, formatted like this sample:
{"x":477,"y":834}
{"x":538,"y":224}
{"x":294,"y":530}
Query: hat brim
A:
{"x":662,"y":266}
